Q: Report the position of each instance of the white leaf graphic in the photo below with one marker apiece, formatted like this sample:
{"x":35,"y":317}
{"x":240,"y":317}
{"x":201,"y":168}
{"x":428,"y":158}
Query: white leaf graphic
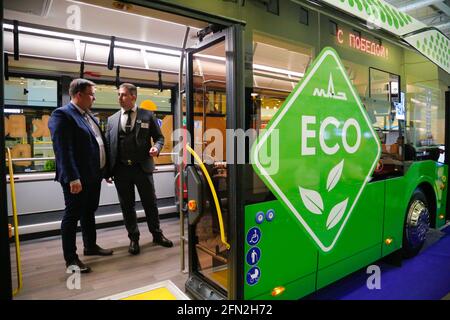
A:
{"x":336,"y":214}
{"x":312,"y":200}
{"x":334,"y":175}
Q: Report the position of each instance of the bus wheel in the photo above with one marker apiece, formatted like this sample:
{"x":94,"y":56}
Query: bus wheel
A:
{"x":417,"y":223}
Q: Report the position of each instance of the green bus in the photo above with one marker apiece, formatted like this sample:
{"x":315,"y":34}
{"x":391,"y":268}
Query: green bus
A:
{"x":297,"y":203}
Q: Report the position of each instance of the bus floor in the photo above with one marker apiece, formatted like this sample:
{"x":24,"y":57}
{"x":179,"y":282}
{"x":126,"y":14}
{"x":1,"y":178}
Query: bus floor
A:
{"x":45,"y":277}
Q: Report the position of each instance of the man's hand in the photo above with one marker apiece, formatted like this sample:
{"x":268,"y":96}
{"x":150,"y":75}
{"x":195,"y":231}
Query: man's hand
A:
{"x":109,"y":180}
{"x":75,"y":187}
{"x":154,"y":152}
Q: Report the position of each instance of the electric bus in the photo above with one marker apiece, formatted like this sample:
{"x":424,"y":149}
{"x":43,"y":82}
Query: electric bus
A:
{"x":306,"y":139}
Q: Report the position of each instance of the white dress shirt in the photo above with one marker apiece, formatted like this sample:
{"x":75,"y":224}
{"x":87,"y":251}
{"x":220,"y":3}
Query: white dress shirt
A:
{"x":124,"y":118}
{"x":97,"y":133}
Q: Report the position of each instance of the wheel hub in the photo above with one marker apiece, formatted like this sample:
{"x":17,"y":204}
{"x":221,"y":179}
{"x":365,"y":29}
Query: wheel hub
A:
{"x":418,"y":223}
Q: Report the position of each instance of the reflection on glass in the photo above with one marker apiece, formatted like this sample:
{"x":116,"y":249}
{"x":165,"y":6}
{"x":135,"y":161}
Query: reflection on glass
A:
{"x":31,"y":92}
{"x":29,"y":103}
{"x":266,"y":104}
{"x":209,"y":126}
{"x":28,"y":136}
{"x":426,"y":116}
{"x":106,"y":98}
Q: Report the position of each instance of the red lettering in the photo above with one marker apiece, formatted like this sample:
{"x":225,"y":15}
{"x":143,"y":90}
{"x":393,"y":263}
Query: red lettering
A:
{"x":368,"y":46}
{"x":351,"y":40}
{"x":340,"y":34}
{"x":363,"y":44}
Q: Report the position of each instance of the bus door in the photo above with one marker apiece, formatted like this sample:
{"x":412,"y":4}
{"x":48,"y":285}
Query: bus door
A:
{"x":209,"y":93}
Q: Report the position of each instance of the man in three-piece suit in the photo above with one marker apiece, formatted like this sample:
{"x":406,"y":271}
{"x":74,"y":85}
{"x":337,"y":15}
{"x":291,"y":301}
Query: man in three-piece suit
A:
{"x":80,"y":154}
{"x":131,"y":153}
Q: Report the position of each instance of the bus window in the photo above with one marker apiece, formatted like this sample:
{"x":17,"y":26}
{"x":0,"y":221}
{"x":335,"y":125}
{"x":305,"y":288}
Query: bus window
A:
{"x":160,"y":102}
{"x":277,"y":68}
{"x":425,"y":108}
{"x":28,"y":105}
{"x":359,"y":76}
{"x":426,"y":116}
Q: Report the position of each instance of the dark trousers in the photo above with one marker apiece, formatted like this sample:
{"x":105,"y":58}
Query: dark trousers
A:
{"x":82,"y":207}
{"x":125,"y":178}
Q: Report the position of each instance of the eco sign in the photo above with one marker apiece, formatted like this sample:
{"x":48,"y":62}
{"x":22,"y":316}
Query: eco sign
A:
{"x":327,"y":150}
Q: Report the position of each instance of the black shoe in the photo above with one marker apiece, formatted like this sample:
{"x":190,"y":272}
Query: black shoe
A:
{"x":134,"y":247}
{"x":97,"y":251}
{"x":162,"y":241}
{"x":77,"y":264}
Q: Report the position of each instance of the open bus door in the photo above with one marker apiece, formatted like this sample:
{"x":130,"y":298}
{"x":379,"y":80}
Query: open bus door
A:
{"x":211,"y":181}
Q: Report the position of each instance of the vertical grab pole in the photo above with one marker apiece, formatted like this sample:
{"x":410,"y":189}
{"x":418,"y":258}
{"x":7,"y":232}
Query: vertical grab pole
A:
{"x":16,"y":223}
{"x":180,"y":157}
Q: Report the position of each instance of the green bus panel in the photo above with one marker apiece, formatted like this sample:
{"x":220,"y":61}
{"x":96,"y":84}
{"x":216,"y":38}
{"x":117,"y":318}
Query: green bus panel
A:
{"x":342,"y":268}
{"x":364,"y":228}
{"x":287,"y":253}
{"x":293,"y":290}
{"x":397,"y":198}
{"x":289,"y":258}
{"x":441,"y":181}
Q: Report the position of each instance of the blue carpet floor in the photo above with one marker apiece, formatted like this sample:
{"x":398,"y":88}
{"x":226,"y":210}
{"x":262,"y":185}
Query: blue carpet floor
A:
{"x":425,"y":277}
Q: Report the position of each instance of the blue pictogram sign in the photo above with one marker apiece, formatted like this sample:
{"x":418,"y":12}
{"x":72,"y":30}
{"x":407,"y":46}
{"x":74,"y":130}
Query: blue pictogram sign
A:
{"x":253,"y":256}
{"x":253,"y":236}
{"x":253,"y":276}
{"x":260,"y":217}
{"x":270,"y":215}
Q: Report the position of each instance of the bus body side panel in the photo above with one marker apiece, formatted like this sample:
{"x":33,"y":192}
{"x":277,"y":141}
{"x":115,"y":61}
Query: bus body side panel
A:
{"x":360,"y":241}
{"x":398,"y":195}
{"x":290,"y":259}
{"x":288,"y":256}
{"x":440,"y":186}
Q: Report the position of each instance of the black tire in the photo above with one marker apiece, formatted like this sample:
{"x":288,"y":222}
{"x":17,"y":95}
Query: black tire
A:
{"x":417,"y":223}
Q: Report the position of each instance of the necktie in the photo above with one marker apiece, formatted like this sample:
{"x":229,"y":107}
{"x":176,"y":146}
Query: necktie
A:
{"x":89,"y":121}
{"x":128,"y":124}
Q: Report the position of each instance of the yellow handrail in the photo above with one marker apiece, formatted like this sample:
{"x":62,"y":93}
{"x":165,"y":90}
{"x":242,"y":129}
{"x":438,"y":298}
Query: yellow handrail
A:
{"x":16,"y":223}
{"x":214,"y":194}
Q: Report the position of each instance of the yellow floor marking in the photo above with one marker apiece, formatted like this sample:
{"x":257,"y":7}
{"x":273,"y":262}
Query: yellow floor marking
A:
{"x":155,"y":294}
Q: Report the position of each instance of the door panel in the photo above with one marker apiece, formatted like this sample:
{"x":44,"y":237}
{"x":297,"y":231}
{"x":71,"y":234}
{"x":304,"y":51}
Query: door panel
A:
{"x":206,"y":120}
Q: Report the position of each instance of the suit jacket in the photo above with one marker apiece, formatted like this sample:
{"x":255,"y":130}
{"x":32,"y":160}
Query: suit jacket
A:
{"x":76,"y":149}
{"x":146,"y":128}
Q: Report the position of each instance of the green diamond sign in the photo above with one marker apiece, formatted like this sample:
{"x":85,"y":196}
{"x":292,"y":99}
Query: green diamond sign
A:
{"x":326,"y":150}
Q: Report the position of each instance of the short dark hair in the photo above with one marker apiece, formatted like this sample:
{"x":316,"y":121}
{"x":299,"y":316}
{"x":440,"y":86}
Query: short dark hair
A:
{"x":79,"y":85}
{"x":130,"y":87}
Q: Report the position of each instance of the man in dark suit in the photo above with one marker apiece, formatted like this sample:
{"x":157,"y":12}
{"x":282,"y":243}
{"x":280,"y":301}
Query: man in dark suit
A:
{"x":81,"y":164}
{"x":131,"y":153}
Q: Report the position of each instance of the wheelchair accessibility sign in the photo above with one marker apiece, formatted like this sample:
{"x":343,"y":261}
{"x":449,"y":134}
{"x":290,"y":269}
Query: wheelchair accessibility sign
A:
{"x":253,"y":236}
